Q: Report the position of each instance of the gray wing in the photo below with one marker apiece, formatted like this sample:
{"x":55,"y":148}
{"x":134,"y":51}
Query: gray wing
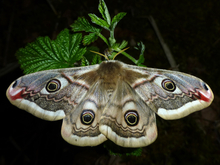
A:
{"x":81,"y":126}
{"x":170,"y":94}
{"x":52,"y":94}
{"x":127,"y":120}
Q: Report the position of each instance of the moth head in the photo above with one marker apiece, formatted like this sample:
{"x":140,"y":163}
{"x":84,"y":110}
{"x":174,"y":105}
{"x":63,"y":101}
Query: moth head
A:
{"x":108,"y":53}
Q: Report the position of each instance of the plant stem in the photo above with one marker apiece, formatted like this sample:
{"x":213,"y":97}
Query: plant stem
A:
{"x":112,"y":38}
{"x":130,"y":57}
{"x":104,"y":39}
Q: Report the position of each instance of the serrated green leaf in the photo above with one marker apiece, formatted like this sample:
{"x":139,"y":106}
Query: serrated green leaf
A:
{"x":116,"y":46}
{"x":35,"y":55}
{"x":96,"y":59}
{"x":44,"y":54}
{"x":84,"y":61}
{"x":68,"y":46}
{"x":104,"y":11}
{"x":91,"y":58}
{"x":90,"y":38}
{"x":99,"y":21}
{"x":123,"y":44}
{"x":116,"y":19}
{"x":141,"y":47}
{"x":136,"y":152}
{"x":141,"y":59}
{"x":89,"y":55}
{"x":82,"y":24}
{"x":141,"y":65}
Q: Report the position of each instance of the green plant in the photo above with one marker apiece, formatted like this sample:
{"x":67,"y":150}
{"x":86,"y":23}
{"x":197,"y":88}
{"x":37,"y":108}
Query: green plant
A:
{"x":68,"y":51}
{"x":71,"y":49}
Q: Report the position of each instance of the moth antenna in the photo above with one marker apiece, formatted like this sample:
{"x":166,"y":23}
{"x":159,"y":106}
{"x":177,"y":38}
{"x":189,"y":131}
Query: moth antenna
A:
{"x":100,"y":54}
{"x":120,"y":52}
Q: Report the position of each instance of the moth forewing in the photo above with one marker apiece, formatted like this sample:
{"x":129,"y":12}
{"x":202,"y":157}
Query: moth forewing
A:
{"x":190,"y":93}
{"x":111,"y":100}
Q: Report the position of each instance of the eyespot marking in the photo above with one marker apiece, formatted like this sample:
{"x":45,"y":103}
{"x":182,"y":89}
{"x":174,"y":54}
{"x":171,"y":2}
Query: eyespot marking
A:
{"x":168,"y":85}
{"x":87,"y":117}
{"x":131,"y":118}
{"x":53,"y":85}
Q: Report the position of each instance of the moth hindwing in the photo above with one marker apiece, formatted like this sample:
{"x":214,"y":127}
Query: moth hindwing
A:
{"x":111,"y":100}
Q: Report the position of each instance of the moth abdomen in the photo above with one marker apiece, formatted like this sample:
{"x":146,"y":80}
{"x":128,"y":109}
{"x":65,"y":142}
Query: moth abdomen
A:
{"x":111,"y":100}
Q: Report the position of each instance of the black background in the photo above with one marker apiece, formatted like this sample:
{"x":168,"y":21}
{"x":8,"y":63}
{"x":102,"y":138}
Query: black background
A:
{"x":190,"y":28}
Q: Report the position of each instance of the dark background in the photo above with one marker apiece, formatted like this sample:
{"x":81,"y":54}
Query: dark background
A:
{"x":190,"y":28}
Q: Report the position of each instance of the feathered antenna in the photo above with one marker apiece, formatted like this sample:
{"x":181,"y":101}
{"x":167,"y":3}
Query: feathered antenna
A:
{"x":120,"y":52}
{"x":100,"y":54}
{"x":106,"y":57}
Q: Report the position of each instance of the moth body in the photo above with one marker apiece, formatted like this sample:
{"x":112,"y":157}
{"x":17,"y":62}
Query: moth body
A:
{"x":111,"y":100}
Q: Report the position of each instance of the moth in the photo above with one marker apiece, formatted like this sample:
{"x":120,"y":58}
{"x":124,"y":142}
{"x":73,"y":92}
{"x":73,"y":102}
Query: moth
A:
{"x":111,"y":100}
